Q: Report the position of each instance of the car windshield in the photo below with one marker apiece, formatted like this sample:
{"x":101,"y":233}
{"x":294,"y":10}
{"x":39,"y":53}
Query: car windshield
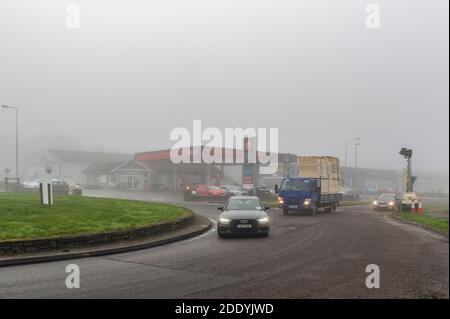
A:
{"x":296,"y":185}
{"x":386,"y":197}
{"x":244,"y":204}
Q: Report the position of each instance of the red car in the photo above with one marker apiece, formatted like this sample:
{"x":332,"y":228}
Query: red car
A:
{"x":210,"y":191}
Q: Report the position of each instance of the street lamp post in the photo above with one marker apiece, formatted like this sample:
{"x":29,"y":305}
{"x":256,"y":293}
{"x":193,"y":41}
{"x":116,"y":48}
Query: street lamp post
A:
{"x":17,"y":136}
{"x":356,"y":154}
{"x":346,"y":148}
{"x":357,"y":182}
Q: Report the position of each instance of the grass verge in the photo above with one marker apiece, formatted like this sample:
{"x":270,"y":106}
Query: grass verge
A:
{"x":438,"y":224}
{"x":23,"y":217}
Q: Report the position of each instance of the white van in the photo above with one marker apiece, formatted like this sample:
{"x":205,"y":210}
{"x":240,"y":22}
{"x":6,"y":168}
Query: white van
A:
{"x":408,"y":199}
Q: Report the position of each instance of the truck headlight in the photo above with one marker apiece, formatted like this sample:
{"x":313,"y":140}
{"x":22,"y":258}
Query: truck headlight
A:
{"x":224,"y":220}
{"x":280,"y":200}
{"x":307,"y":202}
{"x":391,"y":204}
{"x":375,"y":202}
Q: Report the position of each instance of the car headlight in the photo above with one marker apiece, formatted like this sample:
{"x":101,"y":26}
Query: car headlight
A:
{"x":280,"y":200}
{"x":224,"y":220}
{"x":391,"y":203}
{"x":263,"y":220}
{"x":375,"y":202}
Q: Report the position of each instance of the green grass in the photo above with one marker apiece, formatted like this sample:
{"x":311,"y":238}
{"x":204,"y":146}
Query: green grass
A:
{"x":436,"y":207}
{"x":23,"y":217}
{"x":438,"y":224}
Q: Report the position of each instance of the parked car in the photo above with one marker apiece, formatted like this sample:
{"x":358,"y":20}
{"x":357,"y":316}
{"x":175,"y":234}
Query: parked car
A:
{"x":234,"y":190}
{"x":210,"y":192}
{"x":243,"y":215}
{"x":349,"y":193}
{"x":31,"y":186}
{"x":387,"y":201}
{"x":60,"y":186}
{"x":265,"y":193}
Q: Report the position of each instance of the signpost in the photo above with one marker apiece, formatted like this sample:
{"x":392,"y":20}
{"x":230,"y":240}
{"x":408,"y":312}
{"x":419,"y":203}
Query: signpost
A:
{"x":250,"y":167}
{"x":46,"y":189}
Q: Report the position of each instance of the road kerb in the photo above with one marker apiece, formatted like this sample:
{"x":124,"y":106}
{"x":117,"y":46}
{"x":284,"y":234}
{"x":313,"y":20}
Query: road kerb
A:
{"x":200,"y":226}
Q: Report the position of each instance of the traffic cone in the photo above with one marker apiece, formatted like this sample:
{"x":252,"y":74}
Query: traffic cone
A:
{"x":420,"y":208}
{"x":413,"y":207}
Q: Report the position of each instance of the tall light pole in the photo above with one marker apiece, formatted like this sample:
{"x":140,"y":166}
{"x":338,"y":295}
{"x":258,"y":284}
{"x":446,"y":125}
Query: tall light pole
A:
{"x":17,"y":136}
{"x":346,"y":148}
{"x":356,"y":154}
{"x":357,"y":182}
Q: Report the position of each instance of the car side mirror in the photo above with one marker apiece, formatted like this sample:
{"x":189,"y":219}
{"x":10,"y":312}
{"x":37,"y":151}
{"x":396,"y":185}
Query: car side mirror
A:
{"x":220,"y":208}
{"x":276,"y":188}
{"x":266,"y":208}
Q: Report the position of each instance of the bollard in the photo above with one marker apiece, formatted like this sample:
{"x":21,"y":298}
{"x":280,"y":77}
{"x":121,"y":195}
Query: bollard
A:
{"x":413,"y":207}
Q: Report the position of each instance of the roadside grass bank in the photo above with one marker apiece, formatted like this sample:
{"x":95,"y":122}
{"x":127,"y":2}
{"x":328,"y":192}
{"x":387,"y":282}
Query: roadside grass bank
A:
{"x":436,"y":207}
{"x":438,"y":224}
{"x":24,"y":218}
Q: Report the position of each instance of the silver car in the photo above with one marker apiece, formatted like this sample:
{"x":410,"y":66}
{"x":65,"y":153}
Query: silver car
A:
{"x":243,"y":215}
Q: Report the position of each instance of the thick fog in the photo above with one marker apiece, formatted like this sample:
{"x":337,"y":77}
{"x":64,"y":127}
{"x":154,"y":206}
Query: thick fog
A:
{"x":134,"y":70}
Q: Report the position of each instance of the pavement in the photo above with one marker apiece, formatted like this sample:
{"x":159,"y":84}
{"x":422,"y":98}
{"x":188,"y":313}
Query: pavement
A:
{"x":322,"y":256}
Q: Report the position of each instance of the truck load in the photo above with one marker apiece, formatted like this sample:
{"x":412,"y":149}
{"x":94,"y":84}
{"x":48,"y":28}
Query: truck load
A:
{"x":316,"y":186}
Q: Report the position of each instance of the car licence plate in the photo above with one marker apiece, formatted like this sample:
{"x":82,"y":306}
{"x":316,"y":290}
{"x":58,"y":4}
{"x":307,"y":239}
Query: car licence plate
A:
{"x":244,"y":225}
{"x":293,"y":206}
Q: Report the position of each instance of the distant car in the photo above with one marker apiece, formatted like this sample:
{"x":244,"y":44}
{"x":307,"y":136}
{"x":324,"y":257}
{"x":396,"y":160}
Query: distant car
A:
{"x":349,"y":193}
{"x":234,"y":190}
{"x":210,"y":192}
{"x":243,"y":215}
{"x":31,"y":184}
{"x":189,"y":192}
{"x":60,"y":186}
{"x":387,"y":201}
{"x":265,"y":193}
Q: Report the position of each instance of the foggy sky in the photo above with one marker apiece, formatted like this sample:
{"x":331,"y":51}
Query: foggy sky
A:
{"x":137,"y":69}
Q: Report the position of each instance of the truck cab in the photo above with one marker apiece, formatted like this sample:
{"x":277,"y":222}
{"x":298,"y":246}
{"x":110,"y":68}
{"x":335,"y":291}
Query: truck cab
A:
{"x":299,"y":193}
{"x":304,"y":194}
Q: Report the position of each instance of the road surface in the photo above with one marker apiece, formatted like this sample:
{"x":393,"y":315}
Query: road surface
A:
{"x":324,"y":256}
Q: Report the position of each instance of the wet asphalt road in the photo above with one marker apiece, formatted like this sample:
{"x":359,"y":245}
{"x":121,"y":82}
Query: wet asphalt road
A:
{"x":324,"y":256}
